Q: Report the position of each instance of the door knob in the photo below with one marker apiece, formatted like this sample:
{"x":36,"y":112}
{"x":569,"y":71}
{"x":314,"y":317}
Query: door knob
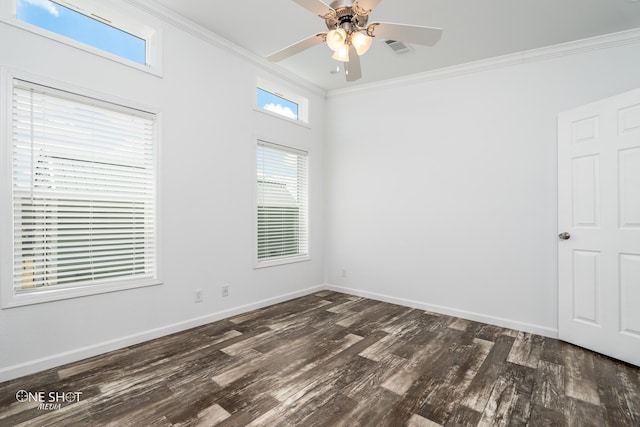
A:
{"x":564,"y":236}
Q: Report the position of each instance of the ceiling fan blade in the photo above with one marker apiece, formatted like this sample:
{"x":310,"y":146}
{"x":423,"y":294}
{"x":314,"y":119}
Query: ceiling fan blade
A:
{"x":318,"y":7}
{"x":417,"y":34}
{"x":352,"y":69}
{"x":364,"y":7}
{"x":297,"y":47}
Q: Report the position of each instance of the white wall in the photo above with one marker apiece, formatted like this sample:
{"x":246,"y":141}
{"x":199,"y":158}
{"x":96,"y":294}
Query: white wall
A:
{"x":442,"y":194}
{"x":444,"y":197}
{"x":208,"y":150}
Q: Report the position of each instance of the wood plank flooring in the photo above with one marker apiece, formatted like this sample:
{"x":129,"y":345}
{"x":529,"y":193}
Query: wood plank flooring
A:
{"x":331,"y":359}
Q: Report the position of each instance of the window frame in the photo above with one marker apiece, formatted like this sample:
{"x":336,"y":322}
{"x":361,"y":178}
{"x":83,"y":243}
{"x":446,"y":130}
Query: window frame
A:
{"x":264,"y":263}
{"x":8,"y":297}
{"x":279,"y":97}
{"x":286,"y":94}
{"x":123,"y":17}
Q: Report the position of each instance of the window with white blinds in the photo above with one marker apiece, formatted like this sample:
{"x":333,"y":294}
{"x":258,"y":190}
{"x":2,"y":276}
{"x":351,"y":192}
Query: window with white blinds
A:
{"x":282,"y":204}
{"x":83,"y":191}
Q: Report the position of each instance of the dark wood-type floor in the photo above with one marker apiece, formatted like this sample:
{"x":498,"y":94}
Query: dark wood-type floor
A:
{"x":338,"y":360}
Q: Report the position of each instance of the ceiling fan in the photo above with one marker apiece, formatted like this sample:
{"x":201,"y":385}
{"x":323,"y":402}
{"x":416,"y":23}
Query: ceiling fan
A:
{"x":350,"y":33}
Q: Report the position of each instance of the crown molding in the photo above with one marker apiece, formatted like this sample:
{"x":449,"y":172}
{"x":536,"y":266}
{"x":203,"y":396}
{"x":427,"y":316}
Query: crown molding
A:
{"x":172,"y":18}
{"x":534,"y":55}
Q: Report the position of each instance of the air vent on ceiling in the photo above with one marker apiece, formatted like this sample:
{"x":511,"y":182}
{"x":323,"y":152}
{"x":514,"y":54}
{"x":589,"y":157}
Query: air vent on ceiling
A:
{"x":398,"y":47}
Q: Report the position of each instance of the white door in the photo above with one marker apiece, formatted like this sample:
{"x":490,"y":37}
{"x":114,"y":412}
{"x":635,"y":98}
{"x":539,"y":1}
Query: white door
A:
{"x":599,"y":208}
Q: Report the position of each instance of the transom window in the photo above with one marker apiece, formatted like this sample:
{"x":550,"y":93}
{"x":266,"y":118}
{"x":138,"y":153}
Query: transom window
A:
{"x":282,"y":102}
{"x":115,"y":30}
{"x":89,"y":29}
{"x":277,"y":104}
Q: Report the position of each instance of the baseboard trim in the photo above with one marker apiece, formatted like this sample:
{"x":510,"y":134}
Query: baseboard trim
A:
{"x":469,"y":315}
{"x":37,"y":365}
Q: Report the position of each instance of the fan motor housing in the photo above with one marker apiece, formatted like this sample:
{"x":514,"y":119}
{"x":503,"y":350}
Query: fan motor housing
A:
{"x":346,"y":16}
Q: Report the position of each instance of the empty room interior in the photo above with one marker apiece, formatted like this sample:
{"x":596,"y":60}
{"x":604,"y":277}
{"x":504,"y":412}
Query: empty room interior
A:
{"x":306,"y":213}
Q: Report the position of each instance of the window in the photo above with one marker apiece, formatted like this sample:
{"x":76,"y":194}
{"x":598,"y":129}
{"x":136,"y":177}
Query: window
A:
{"x":91,"y":30}
{"x":277,"y":104}
{"x":91,"y":25}
{"x":281,"y":102}
{"x":282,"y":204}
{"x":82,"y":194}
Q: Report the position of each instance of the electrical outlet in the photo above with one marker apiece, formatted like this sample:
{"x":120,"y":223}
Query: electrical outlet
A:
{"x":225,"y":290}
{"x":344,"y":273}
{"x":197,"y":295}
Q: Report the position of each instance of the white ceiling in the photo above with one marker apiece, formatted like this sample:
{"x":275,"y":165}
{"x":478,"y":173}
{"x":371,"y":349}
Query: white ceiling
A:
{"x":473,"y":30}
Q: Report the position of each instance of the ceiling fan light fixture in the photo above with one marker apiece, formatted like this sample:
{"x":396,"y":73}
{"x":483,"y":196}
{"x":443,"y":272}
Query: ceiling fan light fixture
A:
{"x":342,"y":54}
{"x":350,"y":35}
{"x":361,"y":42}
{"x":336,"y":39}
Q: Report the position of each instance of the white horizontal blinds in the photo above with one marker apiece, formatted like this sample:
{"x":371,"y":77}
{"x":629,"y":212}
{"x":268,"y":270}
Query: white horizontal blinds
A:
{"x":83,"y":190}
{"x":282,"y":201}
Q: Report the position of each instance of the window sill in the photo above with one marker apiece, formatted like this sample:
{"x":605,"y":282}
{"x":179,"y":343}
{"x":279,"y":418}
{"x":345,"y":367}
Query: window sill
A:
{"x":281,"y":117}
{"x":52,"y":294}
{"x":280,"y":261}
